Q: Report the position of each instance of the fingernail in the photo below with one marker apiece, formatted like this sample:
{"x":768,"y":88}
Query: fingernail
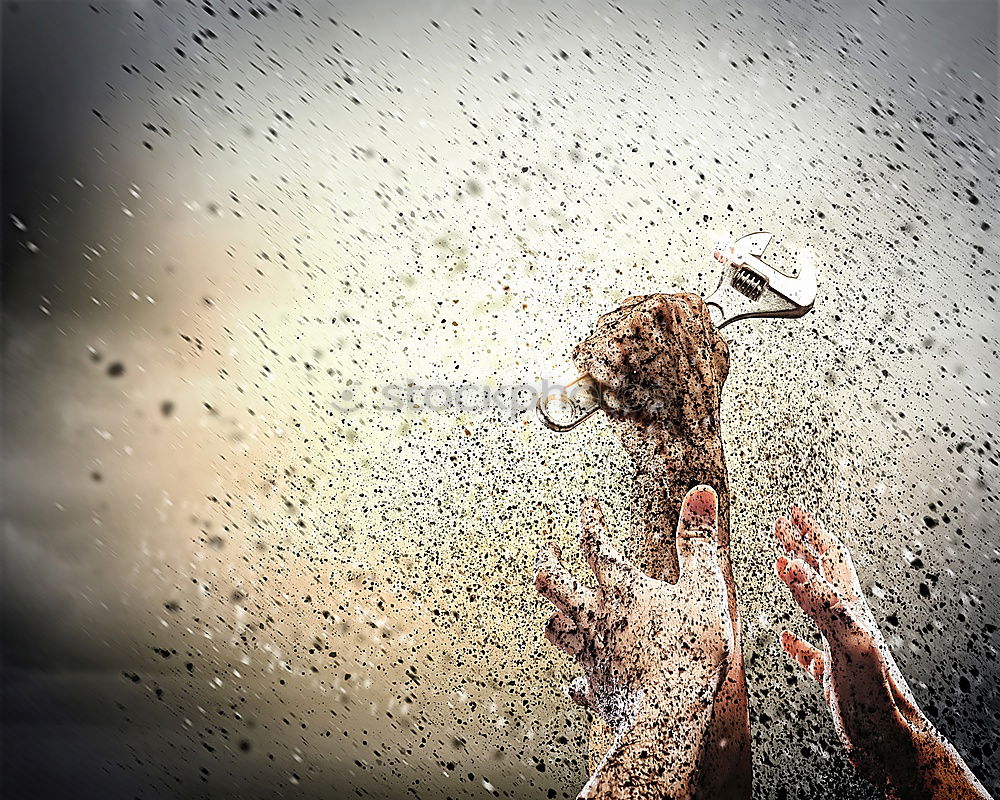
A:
{"x":700,"y":509}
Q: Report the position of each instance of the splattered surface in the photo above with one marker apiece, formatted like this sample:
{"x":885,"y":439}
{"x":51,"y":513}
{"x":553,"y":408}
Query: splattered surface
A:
{"x":236,"y":235}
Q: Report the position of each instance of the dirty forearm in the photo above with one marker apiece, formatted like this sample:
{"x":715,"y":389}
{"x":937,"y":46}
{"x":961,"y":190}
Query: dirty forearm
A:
{"x":664,"y":470}
{"x":935,"y":771}
{"x":653,"y":760}
{"x":661,"y":366}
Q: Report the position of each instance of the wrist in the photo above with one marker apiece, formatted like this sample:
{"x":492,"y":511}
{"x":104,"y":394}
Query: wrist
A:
{"x":670,"y":457}
{"x":903,"y":778}
{"x":927,"y":767}
{"x":671,"y":433}
{"x":665,"y":468}
{"x":657,"y":753}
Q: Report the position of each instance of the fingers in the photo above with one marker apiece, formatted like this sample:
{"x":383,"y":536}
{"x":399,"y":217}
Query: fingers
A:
{"x":561,"y":631}
{"x":791,"y":540}
{"x":809,"y":527}
{"x":807,"y":656}
{"x":605,"y":367}
{"x":554,"y":582}
{"x":818,"y":599}
{"x":623,"y":337}
{"x":835,"y":563}
{"x":634,"y":300}
{"x":604,"y":353}
{"x":609,"y":566}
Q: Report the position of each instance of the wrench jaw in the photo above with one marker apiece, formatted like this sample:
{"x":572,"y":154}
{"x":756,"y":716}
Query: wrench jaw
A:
{"x":752,"y":288}
{"x":728,"y":304}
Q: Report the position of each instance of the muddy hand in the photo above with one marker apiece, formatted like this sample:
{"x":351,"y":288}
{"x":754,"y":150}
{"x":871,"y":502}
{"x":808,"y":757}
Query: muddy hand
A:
{"x":886,"y":736}
{"x":645,"y":646}
{"x":660,"y":365}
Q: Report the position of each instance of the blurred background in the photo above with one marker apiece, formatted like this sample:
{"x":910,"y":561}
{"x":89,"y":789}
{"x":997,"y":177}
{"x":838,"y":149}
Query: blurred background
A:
{"x":250,"y":551}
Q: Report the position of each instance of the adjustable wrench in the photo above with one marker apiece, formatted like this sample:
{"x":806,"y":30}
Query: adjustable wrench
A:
{"x":749,"y":288}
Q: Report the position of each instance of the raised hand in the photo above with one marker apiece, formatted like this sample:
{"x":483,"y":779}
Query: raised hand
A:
{"x":652,"y":652}
{"x":660,"y":364}
{"x":886,"y":736}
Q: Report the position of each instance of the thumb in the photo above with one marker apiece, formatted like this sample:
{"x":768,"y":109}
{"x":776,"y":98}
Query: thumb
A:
{"x":698,"y":534}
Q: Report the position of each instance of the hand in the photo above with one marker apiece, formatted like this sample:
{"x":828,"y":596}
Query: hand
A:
{"x":660,"y":364}
{"x":652,"y":652}
{"x":867,"y":695}
{"x":886,"y":736}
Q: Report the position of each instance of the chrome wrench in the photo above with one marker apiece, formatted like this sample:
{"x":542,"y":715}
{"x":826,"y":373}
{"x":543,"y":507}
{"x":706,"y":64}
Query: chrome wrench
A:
{"x":749,"y":288}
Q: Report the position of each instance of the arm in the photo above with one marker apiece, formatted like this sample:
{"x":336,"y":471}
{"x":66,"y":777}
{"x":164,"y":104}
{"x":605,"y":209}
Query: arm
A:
{"x":661,"y":366}
{"x":887,"y":737}
{"x":653,"y":653}
{"x":938,"y":772}
{"x":654,"y":758}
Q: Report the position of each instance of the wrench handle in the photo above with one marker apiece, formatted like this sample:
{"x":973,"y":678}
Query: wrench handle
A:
{"x":562,"y":408}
